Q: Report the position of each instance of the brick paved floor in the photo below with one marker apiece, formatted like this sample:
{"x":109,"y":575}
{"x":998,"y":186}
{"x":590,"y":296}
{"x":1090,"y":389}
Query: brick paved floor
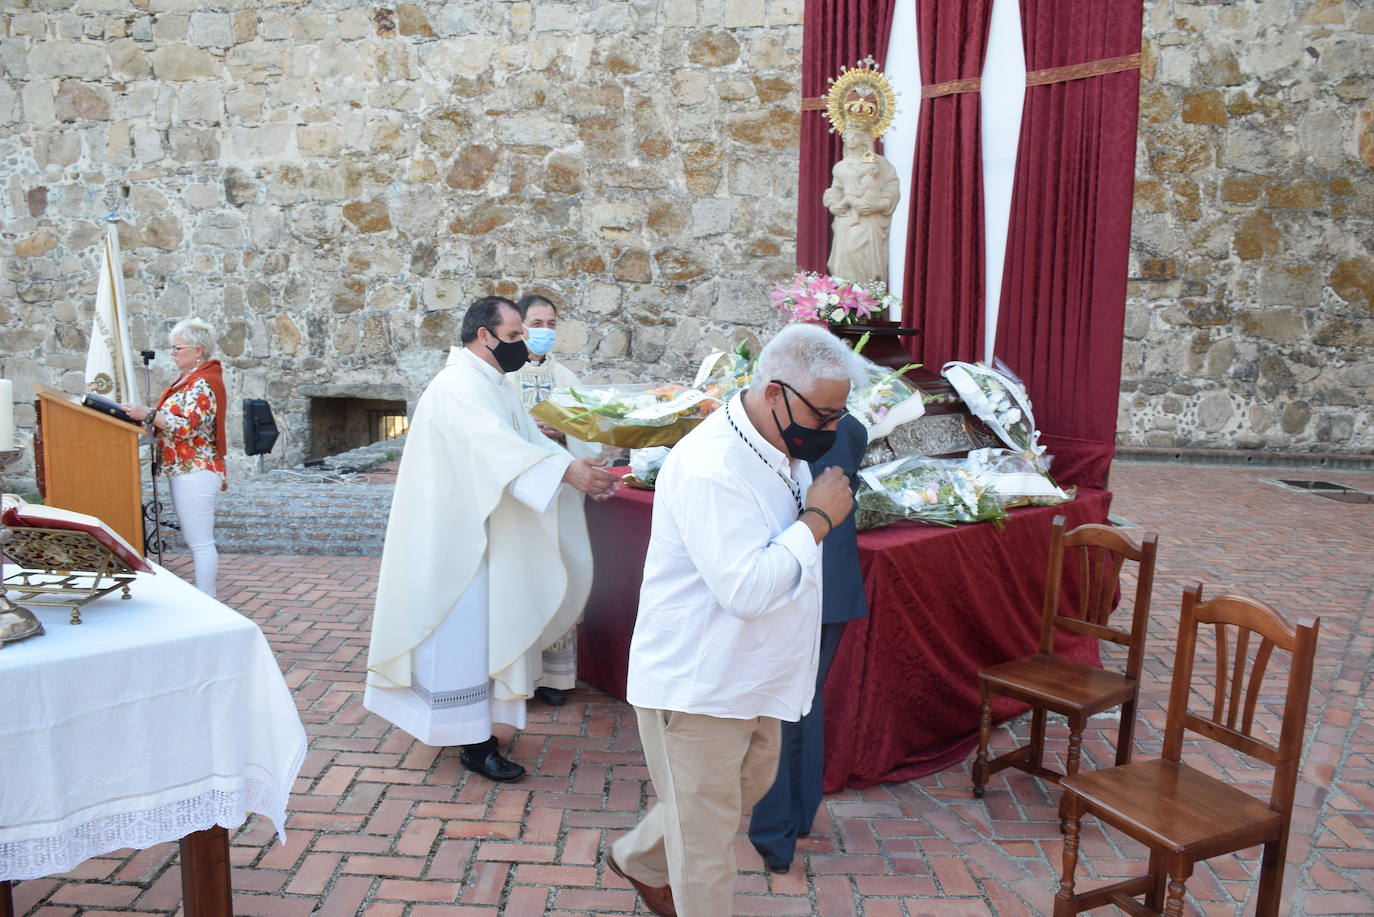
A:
{"x":381,"y":825}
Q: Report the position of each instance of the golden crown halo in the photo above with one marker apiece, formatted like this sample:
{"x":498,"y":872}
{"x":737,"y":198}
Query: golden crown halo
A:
{"x":861,"y":97}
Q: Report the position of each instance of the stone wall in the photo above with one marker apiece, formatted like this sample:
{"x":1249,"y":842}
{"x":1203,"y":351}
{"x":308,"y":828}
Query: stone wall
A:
{"x":1248,"y":319}
{"x":330,"y":184}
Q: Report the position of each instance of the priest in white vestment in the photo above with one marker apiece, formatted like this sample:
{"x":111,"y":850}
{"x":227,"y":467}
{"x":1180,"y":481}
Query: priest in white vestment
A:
{"x":535,"y":381}
{"x":460,"y":621}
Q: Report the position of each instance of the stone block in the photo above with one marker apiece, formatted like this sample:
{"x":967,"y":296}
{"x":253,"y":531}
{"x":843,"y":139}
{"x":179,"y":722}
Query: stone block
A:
{"x":411,"y":20}
{"x":482,"y":218}
{"x":613,"y":220}
{"x":712,"y":48}
{"x":606,"y":19}
{"x":264,"y":143}
{"x":49,"y":59}
{"x":745,"y":13}
{"x":534,"y":130}
{"x":368,"y":216}
{"x":80,"y":102}
{"x":223,"y":230}
{"x":1353,"y":281}
{"x":1204,"y":108}
{"x":1258,"y":235}
{"x":201,"y":101}
{"x":128,"y":60}
{"x":1214,"y":411}
{"x":191,"y":144}
{"x":557,"y":17}
{"x":774,"y":128}
{"x":472,"y":168}
{"x":785,"y":12}
{"x":212,"y":30}
{"x":181,"y":62}
{"x":711,"y":216}
{"x":36,"y":245}
{"x":632,"y":266}
{"x":455,"y":18}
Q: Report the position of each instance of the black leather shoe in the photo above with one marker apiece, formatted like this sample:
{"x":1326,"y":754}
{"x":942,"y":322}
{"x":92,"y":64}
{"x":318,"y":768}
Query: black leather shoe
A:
{"x":551,"y":696}
{"x":780,"y":870}
{"x":491,"y":765}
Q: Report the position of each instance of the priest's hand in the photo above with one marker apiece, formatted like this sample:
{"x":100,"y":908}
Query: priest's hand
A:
{"x":551,"y":432}
{"x":590,"y":478}
{"x":830,"y":498}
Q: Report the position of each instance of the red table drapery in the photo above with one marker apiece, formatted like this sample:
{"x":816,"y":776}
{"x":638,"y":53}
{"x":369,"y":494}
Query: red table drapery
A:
{"x":836,"y":34}
{"x":901,"y":700}
{"x":943,"y":284}
{"x":1064,"y":286}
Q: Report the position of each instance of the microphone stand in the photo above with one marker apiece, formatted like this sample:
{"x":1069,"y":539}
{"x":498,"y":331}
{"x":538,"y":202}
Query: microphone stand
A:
{"x":153,"y":509}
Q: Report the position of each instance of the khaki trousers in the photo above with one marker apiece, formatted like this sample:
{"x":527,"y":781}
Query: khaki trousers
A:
{"x":707,"y":771}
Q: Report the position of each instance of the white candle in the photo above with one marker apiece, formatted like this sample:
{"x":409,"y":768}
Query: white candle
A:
{"x":6,"y":415}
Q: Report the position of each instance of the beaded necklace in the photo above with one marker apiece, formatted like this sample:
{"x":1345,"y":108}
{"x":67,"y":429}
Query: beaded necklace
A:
{"x":792,"y":486}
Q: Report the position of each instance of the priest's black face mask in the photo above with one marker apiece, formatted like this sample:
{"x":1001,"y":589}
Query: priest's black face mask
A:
{"x":510,"y":355}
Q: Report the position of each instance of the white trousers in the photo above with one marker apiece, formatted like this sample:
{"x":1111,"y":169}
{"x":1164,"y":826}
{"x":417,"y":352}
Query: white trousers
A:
{"x":193,"y":499}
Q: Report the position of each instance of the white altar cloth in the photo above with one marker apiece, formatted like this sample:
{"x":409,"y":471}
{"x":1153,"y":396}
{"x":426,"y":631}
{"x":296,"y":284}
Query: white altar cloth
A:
{"x":155,"y":717}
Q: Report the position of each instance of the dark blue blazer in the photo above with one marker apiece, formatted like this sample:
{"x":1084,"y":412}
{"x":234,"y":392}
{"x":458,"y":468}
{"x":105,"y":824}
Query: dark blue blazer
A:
{"x":842,"y":598}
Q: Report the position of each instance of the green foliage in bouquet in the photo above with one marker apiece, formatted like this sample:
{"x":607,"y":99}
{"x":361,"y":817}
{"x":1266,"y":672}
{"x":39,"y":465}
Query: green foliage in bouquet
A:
{"x":923,"y":489}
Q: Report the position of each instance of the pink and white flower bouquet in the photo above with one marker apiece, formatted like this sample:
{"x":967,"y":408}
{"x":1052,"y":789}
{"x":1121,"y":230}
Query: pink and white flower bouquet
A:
{"x":814,"y":297}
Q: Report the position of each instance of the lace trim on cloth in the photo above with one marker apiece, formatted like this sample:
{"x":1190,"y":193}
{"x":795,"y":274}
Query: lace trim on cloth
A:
{"x":462,"y":697}
{"x":46,"y":856}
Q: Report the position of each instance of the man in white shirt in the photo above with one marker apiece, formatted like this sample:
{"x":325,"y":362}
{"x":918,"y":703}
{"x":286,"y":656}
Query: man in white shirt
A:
{"x":727,"y":637}
{"x":459,"y":621}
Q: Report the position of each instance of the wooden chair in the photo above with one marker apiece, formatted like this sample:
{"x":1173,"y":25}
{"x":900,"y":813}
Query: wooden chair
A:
{"x":1180,"y":813}
{"x":1075,"y":690}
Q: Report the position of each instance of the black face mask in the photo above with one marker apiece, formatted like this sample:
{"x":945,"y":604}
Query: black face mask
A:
{"x":805,"y":443}
{"x":510,"y":355}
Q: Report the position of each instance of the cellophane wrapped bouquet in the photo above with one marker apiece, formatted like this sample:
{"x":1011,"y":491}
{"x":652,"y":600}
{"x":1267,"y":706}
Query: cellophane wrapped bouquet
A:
{"x":629,"y":416}
{"x":885,"y":399}
{"x":922,"y":489}
{"x":644,"y":416}
{"x":995,"y":396}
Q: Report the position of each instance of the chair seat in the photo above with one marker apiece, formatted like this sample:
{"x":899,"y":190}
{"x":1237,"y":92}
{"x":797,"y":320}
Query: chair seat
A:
{"x":1062,"y":685}
{"x":1173,"y":807}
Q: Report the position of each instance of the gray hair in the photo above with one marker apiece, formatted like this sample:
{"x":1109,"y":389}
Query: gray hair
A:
{"x":194,"y":333}
{"x":802,"y":355}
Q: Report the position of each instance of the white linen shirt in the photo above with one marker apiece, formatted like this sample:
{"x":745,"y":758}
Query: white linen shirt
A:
{"x":730,"y":609}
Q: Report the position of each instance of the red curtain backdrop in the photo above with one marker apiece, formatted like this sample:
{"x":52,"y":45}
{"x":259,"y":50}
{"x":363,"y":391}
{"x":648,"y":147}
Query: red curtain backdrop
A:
{"x":1064,"y":284}
{"x":836,"y":33}
{"x":943,"y":286}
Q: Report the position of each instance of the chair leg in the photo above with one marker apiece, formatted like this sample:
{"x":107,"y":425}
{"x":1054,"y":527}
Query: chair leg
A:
{"x":1159,"y":876}
{"x":1173,"y":900}
{"x":1037,"y":740}
{"x":980,"y":764}
{"x":1076,"y":727}
{"x":1271,"y":879}
{"x":1126,"y":734}
{"x":1064,"y":903}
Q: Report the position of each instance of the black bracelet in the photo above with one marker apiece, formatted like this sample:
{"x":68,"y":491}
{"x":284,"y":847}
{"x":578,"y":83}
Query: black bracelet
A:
{"x":823,"y":514}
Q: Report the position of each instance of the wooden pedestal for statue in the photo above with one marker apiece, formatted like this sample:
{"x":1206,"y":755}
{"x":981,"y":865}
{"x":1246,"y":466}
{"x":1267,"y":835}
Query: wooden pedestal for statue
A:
{"x":88,"y":463}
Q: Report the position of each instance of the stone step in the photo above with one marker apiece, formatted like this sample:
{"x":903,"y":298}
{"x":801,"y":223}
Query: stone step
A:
{"x":269,"y":517}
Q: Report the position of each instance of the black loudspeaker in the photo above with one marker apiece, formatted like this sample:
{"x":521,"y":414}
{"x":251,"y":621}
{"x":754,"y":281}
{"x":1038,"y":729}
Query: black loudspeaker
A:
{"x":259,"y":429}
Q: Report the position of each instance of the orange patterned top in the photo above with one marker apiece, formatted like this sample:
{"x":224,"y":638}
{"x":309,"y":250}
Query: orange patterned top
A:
{"x":188,"y":443}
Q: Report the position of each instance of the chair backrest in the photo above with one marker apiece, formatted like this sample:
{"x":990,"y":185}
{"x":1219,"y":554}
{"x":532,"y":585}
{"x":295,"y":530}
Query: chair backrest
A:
{"x":1094,"y":556}
{"x":1237,"y":692}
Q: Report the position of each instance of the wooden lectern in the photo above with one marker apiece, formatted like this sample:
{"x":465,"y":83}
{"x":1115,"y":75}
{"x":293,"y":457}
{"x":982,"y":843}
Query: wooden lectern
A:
{"x":90,"y":463}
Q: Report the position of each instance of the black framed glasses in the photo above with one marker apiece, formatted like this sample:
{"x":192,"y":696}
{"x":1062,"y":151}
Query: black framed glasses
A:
{"x":822,"y":420}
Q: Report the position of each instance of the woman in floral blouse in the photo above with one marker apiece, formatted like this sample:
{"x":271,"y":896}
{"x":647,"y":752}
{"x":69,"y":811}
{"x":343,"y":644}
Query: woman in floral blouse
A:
{"x":189,"y":425}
